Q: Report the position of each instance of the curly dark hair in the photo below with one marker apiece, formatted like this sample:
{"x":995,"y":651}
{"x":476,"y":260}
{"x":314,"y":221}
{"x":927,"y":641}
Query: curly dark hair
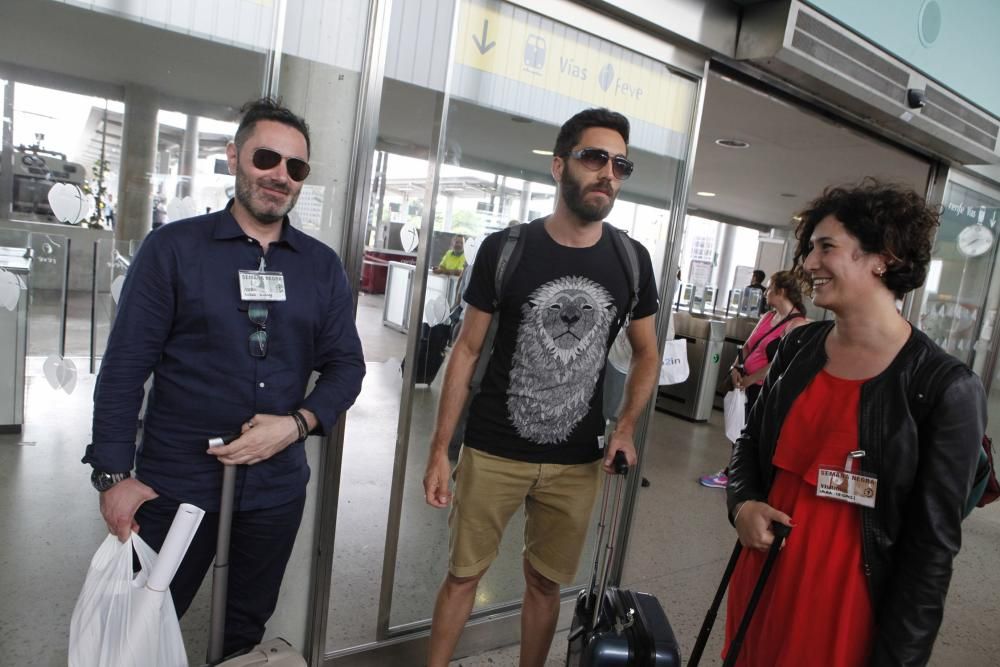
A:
{"x":268,"y":108}
{"x":569,"y":133}
{"x":886,"y":218}
{"x":790,"y":284}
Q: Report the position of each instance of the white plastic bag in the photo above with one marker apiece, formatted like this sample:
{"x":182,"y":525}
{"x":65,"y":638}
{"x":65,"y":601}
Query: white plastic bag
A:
{"x":734,"y":408}
{"x":117,"y":621}
{"x":674,"y":367}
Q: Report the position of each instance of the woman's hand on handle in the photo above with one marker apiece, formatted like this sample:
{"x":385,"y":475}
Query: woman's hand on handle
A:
{"x":753,"y":524}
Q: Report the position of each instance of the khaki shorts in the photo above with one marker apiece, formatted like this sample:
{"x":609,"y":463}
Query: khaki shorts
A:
{"x":557,"y":499}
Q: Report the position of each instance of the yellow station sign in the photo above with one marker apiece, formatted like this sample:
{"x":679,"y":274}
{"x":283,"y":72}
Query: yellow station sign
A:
{"x":574,"y":64}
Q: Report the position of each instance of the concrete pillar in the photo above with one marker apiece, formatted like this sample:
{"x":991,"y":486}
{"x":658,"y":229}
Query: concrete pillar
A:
{"x":449,"y":207}
{"x":327,"y":97}
{"x":7,"y":150}
{"x":161,"y":171}
{"x":724,"y":270}
{"x":525,"y":208}
{"x":135,"y":187}
{"x":189,"y":158}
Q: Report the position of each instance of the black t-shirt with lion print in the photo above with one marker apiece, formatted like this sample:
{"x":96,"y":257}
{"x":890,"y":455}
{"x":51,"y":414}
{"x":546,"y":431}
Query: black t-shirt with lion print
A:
{"x":541,"y":397}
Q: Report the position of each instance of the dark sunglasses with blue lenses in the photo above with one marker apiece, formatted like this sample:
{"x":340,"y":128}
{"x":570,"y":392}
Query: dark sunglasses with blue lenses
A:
{"x":595,"y":159}
{"x":265,"y":158}
{"x":258,"y":339}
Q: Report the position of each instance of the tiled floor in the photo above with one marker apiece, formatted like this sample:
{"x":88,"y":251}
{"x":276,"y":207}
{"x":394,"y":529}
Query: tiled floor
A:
{"x":678,"y":547}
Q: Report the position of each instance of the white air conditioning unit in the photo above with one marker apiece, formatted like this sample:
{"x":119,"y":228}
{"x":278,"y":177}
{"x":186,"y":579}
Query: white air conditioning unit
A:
{"x":804,"y":47}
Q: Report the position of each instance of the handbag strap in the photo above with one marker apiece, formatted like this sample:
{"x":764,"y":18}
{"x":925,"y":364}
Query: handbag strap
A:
{"x":791,"y":316}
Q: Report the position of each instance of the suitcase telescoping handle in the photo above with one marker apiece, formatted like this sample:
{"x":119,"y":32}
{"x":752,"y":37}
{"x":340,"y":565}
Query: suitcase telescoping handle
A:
{"x":781,"y":532}
{"x":599,"y":577}
{"x":220,"y":573}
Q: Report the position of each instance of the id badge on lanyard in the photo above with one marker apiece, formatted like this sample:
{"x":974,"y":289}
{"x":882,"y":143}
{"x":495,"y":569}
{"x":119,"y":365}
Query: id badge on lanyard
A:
{"x":846,"y":485}
{"x":261,"y":285}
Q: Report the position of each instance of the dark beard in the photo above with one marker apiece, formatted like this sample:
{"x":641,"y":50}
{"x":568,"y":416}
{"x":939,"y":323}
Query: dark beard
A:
{"x":571,"y":192}
{"x":244,"y":194}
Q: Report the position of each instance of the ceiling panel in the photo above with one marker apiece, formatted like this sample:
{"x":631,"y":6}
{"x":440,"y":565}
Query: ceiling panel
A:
{"x":793,"y":155}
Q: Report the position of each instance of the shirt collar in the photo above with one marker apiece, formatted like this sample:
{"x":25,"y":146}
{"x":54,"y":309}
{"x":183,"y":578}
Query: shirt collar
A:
{"x":226,"y":227}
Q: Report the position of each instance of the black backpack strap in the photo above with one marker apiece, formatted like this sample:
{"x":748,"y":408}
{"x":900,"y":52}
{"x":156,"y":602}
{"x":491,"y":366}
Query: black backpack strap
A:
{"x":630,"y":261}
{"x":510,"y":255}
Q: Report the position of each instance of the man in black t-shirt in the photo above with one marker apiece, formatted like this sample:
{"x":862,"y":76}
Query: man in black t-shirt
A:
{"x":535,"y":433}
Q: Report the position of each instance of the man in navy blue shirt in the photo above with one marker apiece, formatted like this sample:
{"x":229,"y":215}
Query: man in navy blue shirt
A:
{"x":231,"y":312}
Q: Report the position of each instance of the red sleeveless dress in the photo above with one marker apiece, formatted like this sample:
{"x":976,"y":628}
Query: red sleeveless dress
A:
{"x":816,"y":608}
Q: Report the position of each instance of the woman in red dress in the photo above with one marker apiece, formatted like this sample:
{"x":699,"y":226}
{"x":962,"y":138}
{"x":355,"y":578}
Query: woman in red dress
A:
{"x":863,"y":577}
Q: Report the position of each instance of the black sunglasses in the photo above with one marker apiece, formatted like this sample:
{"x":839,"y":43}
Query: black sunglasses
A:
{"x":265,"y":158}
{"x":595,"y":158}
{"x":258,"y":339}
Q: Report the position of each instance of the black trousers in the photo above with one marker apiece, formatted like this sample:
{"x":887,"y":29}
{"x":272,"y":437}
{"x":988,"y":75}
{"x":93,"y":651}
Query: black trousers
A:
{"x":260,"y":545}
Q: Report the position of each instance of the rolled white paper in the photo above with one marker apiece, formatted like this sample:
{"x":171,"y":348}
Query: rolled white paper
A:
{"x":179,"y":537}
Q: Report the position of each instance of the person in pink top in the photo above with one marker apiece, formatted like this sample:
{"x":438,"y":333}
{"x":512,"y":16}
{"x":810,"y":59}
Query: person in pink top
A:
{"x":784,"y":298}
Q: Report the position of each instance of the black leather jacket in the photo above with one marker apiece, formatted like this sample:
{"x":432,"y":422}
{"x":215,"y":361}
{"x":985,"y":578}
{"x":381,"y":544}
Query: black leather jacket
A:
{"x":920,"y":423}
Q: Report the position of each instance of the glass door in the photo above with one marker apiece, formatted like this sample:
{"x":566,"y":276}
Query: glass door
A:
{"x":960,"y":297}
{"x":515,"y":77}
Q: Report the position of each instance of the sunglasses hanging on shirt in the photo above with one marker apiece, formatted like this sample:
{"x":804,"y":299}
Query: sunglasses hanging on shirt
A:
{"x":258,"y":339}
{"x":265,"y":158}
{"x":595,"y":159}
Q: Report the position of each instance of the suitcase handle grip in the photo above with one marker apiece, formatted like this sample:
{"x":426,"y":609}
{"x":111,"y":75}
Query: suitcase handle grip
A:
{"x":780,"y":530}
{"x":620,"y":463}
{"x":221,"y":440}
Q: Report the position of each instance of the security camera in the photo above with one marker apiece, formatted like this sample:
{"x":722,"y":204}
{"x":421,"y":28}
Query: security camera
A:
{"x":916,"y":98}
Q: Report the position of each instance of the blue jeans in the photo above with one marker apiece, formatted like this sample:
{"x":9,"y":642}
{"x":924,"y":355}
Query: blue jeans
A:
{"x":260,"y":545}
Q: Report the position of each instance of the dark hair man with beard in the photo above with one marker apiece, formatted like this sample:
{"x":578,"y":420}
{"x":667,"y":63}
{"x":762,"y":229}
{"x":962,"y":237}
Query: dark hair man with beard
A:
{"x":535,"y":431}
{"x":231,"y":312}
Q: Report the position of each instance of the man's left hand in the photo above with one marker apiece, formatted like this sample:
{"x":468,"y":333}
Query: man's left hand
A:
{"x":261,"y":437}
{"x":620,"y":441}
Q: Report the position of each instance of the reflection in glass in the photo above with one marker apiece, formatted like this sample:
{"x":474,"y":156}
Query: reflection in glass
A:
{"x":191,"y":175}
{"x":955,"y":292}
{"x":33,"y":323}
{"x":502,"y":124}
{"x":63,"y":140}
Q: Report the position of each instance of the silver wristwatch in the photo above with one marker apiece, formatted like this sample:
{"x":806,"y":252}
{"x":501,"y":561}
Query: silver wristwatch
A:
{"x":103,"y":481}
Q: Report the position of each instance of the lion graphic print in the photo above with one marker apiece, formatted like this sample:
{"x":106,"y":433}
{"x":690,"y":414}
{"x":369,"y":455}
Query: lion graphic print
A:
{"x":561,"y":348}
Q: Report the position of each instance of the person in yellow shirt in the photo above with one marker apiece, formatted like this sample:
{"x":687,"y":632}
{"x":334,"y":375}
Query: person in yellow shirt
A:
{"x":453,"y":262}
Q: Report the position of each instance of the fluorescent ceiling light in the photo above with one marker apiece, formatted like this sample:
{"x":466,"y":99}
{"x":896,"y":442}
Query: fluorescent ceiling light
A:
{"x":705,"y":194}
{"x":540,"y":151}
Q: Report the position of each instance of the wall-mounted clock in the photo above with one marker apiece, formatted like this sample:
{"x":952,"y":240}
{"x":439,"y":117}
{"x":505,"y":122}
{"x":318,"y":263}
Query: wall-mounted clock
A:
{"x":975,"y":240}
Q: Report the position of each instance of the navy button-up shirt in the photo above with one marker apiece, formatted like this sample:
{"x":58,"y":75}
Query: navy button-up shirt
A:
{"x":181,"y":318}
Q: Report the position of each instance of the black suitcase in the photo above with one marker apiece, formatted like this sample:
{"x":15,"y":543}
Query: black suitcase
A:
{"x":629,"y":628}
{"x":781,"y":531}
{"x":431,"y":348}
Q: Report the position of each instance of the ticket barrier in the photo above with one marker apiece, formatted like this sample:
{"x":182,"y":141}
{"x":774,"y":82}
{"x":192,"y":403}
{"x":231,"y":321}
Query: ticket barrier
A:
{"x":738,"y":329}
{"x":15,"y":263}
{"x":692,"y":399}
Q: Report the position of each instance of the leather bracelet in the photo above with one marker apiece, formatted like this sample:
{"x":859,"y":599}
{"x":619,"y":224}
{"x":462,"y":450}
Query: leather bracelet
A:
{"x":305,"y":422}
{"x":301,"y":424}
{"x":298,"y":426}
